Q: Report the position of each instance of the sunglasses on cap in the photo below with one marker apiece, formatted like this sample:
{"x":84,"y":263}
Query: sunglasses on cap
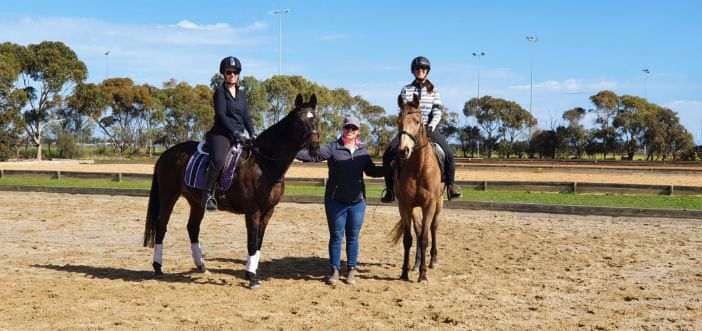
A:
{"x":350,"y":127}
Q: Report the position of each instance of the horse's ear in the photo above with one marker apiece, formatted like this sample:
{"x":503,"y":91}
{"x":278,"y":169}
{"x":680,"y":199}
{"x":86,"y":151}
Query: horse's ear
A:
{"x":400,"y":101}
{"x":298,"y":101}
{"x":415,"y":101}
{"x":313,"y":101}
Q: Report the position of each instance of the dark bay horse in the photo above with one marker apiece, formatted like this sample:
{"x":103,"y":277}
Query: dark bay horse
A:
{"x":255,"y":191}
{"x":418,"y":187}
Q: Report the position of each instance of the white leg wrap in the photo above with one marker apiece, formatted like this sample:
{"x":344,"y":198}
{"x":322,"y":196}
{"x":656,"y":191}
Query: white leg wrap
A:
{"x":197,"y":254}
{"x":252,"y":262}
{"x":158,"y":254}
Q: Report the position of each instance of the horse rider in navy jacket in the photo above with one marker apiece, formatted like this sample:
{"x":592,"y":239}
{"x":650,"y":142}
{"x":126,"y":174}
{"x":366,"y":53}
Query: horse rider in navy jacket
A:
{"x":231,"y":122}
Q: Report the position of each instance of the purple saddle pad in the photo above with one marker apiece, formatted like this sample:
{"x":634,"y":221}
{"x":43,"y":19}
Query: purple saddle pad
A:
{"x":197,"y":166}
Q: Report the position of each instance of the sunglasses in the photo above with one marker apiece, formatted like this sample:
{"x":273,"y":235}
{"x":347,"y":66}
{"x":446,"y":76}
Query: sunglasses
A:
{"x":231,"y":72}
{"x":350,"y":128}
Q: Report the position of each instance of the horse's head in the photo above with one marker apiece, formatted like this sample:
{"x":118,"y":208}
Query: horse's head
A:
{"x":304,"y":121}
{"x":410,"y":126}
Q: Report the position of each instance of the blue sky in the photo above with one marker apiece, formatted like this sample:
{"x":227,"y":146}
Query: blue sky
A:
{"x":366,"y":46}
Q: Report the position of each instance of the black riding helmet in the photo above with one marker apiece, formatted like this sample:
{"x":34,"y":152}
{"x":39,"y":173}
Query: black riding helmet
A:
{"x":229,"y":62}
{"x":420,"y":62}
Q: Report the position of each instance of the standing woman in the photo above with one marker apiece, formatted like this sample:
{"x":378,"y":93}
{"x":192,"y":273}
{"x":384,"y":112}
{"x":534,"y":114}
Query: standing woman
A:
{"x":431,"y":108}
{"x":345,"y":194}
{"x":231,"y":120}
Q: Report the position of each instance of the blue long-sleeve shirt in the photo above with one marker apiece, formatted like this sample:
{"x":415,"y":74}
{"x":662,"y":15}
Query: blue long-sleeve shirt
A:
{"x":346,"y":170}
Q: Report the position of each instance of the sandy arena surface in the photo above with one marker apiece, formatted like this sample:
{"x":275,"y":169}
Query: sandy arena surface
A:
{"x":533,"y":174}
{"x":76,"y":262}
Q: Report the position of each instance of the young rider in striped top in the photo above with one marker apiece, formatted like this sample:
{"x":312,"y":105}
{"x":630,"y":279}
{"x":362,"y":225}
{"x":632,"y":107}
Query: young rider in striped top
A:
{"x":431,"y":107}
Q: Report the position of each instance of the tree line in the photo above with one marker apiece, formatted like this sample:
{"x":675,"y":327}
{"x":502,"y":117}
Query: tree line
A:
{"x":622,"y":125}
{"x":44,"y":98}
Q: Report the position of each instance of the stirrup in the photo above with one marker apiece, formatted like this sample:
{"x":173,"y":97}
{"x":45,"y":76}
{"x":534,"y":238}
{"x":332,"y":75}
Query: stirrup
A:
{"x":211,"y":204}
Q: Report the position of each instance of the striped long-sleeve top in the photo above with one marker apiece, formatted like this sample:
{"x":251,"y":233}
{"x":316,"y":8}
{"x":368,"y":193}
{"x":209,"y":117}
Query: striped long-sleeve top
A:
{"x":429,"y":103}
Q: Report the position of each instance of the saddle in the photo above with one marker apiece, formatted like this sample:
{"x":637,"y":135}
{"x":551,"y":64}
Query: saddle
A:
{"x":197,"y":166}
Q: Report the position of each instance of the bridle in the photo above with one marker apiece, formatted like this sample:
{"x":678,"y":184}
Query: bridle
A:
{"x":413,"y":137}
{"x":311,"y":130}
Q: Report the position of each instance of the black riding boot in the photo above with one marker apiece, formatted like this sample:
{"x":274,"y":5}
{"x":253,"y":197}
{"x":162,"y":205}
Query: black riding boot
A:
{"x":389,"y":190}
{"x":452,"y":190}
{"x":208,"y":200}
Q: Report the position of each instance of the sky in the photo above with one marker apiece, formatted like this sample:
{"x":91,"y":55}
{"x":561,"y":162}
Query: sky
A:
{"x":366,"y":47}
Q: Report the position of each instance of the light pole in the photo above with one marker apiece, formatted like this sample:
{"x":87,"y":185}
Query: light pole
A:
{"x":107,"y":64}
{"x":532,"y":40}
{"x":478,"y":55}
{"x":280,"y":13}
{"x":646,"y":74}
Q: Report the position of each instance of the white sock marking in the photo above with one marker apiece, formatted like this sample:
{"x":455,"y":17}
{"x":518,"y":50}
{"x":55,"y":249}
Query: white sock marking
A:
{"x":197,"y":254}
{"x":252,"y":262}
{"x":158,"y":254}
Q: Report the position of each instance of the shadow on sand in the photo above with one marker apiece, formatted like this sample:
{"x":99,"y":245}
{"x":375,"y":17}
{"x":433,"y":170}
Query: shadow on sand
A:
{"x":130,"y":275}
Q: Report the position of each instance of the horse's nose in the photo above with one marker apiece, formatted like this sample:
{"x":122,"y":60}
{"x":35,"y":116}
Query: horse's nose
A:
{"x":406,"y":153}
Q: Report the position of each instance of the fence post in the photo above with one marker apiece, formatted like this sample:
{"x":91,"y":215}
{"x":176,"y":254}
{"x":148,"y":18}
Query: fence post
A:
{"x":58,"y":174}
{"x":671,"y":189}
{"x":575,"y":187}
{"x":118,"y":177}
{"x":2,"y":173}
{"x":485,"y":185}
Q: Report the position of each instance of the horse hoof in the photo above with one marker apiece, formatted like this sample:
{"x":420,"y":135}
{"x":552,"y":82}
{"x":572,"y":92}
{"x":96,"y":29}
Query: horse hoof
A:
{"x":201,"y":268}
{"x":254,"y":282}
{"x":423,"y":279}
{"x":157,"y":269}
{"x":433,"y":265}
{"x":405,"y":277}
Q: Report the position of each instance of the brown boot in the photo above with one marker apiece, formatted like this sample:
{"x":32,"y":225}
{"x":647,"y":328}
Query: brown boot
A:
{"x":333,"y":277}
{"x":351,"y":277}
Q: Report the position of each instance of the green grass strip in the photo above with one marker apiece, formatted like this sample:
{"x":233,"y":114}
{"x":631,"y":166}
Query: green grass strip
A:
{"x":374,"y":191}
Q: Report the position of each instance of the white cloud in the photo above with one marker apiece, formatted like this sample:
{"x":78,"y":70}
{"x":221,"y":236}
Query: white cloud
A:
{"x":570,"y":85}
{"x":188,"y":25}
{"x":151,"y":53}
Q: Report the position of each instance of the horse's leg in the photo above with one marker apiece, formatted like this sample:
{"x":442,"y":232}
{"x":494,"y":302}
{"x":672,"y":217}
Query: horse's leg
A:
{"x":427,"y":217}
{"x":418,"y":234}
{"x":194,"y":221}
{"x":434,"y":262}
{"x":165,"y":210}
{"x":253,"y":227}
{"x":405,"y":222}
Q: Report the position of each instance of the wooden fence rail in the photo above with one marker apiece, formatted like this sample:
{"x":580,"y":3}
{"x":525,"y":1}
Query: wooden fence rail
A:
{"x":535,"y":186}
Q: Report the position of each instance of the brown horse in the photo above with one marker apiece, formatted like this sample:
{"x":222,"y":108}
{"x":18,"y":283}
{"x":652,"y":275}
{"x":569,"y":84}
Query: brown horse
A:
{"x":418,"y":185}
{"x":255,"y":191}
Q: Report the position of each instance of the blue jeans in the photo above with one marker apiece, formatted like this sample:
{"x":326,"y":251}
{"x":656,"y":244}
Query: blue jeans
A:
{"x":343,"y":219}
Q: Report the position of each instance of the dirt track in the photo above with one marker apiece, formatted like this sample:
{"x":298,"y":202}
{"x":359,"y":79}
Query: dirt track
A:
{"x":76,"y":261}
{"x":535,"y":174}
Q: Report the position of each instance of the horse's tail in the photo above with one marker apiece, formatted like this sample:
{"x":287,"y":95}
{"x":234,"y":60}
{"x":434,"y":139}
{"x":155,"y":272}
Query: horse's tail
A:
{"x":399,"y":230}
{"x":152,"y":211}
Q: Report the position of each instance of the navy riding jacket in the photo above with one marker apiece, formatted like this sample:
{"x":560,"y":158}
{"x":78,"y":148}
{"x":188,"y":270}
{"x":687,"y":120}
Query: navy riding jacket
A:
{"x":231,"y":113}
